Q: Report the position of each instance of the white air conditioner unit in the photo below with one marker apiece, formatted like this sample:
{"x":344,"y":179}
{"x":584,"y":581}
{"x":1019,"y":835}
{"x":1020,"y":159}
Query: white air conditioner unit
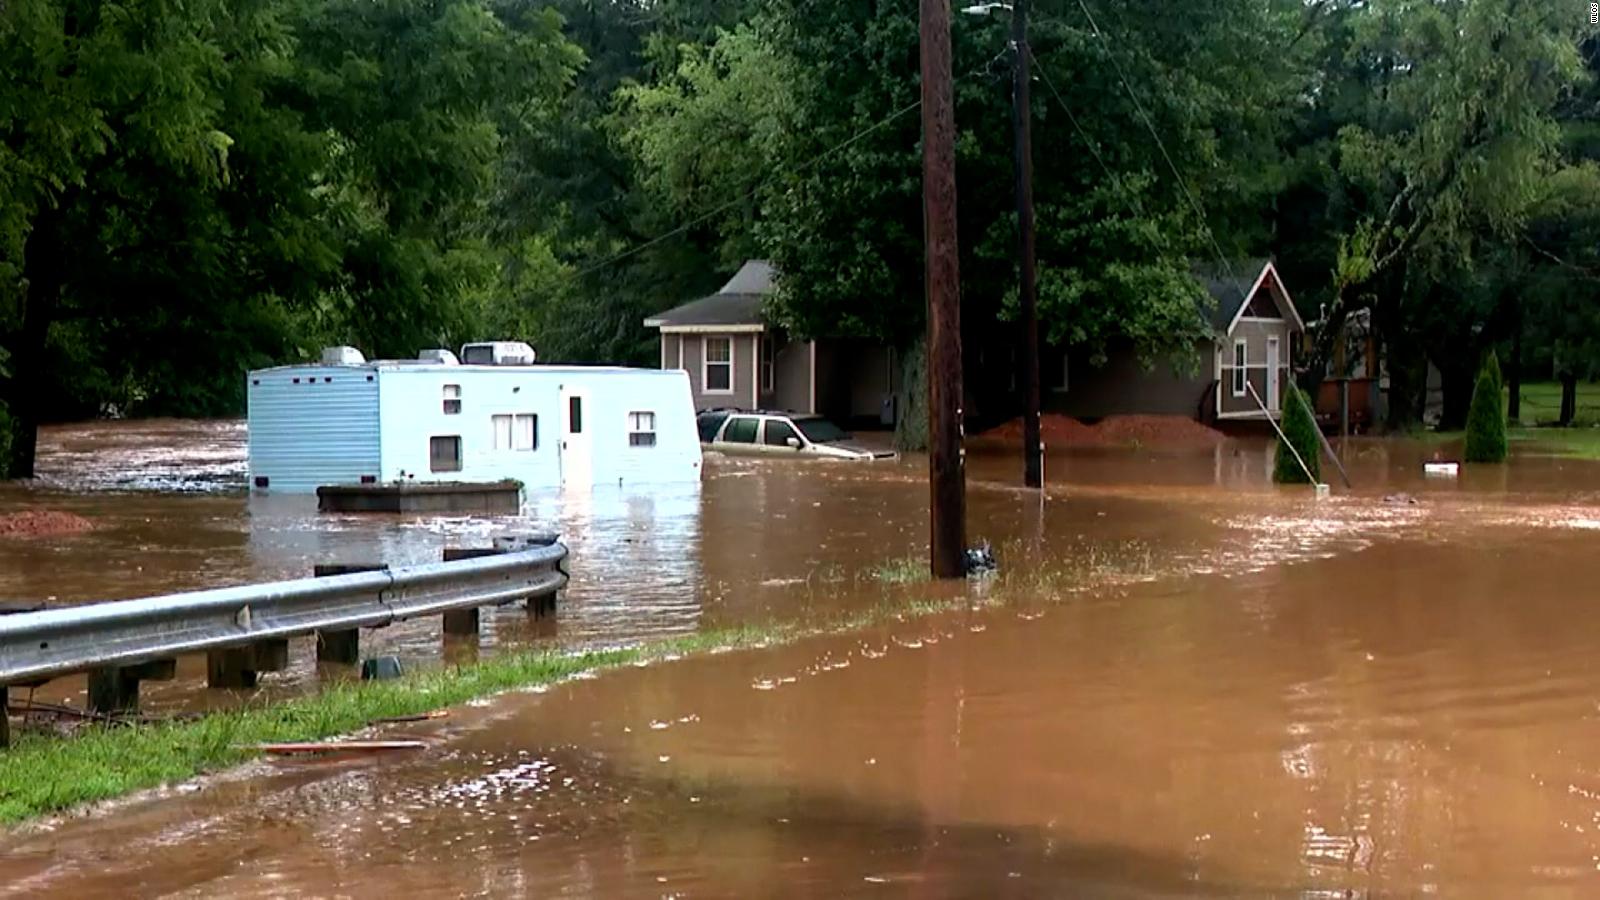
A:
{"x":342,"y":356}
{"x":442,"y":357}
{"x":497,"y":353}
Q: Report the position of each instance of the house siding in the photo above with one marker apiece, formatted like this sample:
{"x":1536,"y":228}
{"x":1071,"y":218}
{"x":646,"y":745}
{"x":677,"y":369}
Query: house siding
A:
{"x":791,"y":377}
{"x":854,"y":377}
{"x":1255,"y":334}
{"x":744,"y":374}
{"x":1125,"y":386}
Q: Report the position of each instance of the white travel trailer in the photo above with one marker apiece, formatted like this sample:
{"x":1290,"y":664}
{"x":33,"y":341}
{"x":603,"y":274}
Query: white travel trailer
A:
{"x":432,"y":420}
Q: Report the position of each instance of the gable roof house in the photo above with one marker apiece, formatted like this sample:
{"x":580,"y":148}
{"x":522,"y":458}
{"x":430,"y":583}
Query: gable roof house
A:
{"x":735,"y":357}
{"x":1255,"y":328}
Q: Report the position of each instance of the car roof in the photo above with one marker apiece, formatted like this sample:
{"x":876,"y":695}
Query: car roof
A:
{"x":734,"y":411}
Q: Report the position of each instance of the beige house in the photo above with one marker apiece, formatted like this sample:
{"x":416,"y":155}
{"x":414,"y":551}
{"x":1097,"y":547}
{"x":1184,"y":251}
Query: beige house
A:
{"x":734,"y":358}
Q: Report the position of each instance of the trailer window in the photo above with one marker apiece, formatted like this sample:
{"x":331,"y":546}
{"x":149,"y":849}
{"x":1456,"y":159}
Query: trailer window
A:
{"x":452,"y":399}
{"x":526,"y":434}
{"x":444,"y":453}
{"x":574,"y":415}
{"x":516,"y":432}
{"x":641,"y":429}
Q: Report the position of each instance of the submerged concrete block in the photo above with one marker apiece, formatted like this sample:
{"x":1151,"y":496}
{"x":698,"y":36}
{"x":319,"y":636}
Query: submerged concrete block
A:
{"x":491,"y":498}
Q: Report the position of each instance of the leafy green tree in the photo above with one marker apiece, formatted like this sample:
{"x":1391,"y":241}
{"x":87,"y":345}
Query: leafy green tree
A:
{"x":1300,"y":427}
{"x":1432,"y":123}
{"x":188,"y":191}
{"x":1486,"y":419}
{"x":800,"y":129}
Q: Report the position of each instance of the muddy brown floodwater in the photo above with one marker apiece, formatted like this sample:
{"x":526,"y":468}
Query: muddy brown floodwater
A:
{"x":1183,"y":682}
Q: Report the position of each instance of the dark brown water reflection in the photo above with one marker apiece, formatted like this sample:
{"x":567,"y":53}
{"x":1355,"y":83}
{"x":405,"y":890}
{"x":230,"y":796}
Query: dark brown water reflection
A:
{"x":1184,"y":682}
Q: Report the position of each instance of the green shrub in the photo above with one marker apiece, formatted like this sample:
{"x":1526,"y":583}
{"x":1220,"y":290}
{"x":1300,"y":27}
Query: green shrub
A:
{"x":1491,"y":362}
{"x":1300,"y":427}
{"x":1486,"y":417}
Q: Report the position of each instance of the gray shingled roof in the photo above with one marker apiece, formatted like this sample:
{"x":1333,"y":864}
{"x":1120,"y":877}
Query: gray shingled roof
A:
{"x":738,"y":303}
{"x":1229,"y":287}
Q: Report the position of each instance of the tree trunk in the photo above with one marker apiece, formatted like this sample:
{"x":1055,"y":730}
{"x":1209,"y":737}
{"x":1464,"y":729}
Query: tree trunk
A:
{"x":43,"y":272}
{"x":1514,"y":376}
{"x":1569,"y":398}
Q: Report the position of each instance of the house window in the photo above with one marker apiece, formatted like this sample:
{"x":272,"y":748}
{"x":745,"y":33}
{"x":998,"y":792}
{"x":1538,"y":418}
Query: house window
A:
{"x":452,"y":399}
{"x":641,"y":429}
{"x":516,"y":432}
{"x":769,"y":365}
{"x":717,"y":373}
{"x":1240,"y":373}
{"x":444,"y":453}
{"x":1059,"y":380}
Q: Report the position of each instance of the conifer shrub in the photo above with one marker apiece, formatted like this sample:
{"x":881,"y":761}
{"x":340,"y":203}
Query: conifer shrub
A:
{"x":1486,"y":417}
{"x":1300,"y":427}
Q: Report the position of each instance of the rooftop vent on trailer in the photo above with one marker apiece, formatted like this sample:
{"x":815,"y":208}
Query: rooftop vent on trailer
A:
{"x":342,"y":356}
{"x":497,"y":353}
{"x":442,"y":357}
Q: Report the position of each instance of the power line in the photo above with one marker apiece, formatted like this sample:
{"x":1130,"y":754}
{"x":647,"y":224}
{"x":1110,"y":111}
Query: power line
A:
{"x":1087,"y":140}
{"x":1150,"y":126}
{"x":812,"y":163}
{"x":745,"y":196}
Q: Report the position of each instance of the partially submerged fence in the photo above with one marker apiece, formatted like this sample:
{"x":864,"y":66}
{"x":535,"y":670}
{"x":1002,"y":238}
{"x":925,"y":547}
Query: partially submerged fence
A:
{"x":245,"y":630}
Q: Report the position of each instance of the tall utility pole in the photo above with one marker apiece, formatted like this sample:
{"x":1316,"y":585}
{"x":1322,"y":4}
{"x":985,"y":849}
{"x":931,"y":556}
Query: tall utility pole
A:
{"x":946,"y":462}
{"x":1021,"y":120}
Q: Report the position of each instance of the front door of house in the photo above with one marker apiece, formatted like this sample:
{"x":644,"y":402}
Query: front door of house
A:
{"x":1272,"y":374}
{"x":576,"y":449}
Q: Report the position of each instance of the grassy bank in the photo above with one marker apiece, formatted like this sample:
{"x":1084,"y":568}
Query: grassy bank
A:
{"x":46,"y":773}
{"x":1541,"y":403}
{"x":1579,"y":442}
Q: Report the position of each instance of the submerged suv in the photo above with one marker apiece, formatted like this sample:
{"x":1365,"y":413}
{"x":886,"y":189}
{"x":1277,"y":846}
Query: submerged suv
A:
{"x":766,"y":433}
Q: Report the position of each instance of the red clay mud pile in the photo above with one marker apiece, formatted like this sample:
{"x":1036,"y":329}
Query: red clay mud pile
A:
{"x":41,"y":523}
{"x":1174,"y":432}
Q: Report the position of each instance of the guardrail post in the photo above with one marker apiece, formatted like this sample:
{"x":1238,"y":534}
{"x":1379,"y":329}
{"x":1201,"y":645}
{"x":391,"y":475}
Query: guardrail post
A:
{"x":464,"y":622}
{"x":239,"y":667}
{"x":230,"y":667}
{"x":341,"y":647}
{"x":115,"y":689}
{"x":538,"y":607}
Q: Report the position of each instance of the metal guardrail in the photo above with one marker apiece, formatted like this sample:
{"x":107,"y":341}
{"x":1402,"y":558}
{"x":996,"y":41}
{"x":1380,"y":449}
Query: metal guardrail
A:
{"x":39,"y":645}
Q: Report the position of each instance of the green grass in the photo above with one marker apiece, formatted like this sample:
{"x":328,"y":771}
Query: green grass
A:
{"x":1541,"y":403}
{"x":45,"y":773}
{"x":906,"y":570}
{"x":1578,"y":442}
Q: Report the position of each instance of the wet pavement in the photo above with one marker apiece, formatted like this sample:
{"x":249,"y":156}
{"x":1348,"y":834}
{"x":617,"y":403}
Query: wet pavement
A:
{"x":1183,"y":682}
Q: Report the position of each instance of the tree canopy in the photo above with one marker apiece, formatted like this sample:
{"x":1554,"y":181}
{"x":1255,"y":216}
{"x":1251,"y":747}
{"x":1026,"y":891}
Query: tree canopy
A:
{"x":191,"y":190}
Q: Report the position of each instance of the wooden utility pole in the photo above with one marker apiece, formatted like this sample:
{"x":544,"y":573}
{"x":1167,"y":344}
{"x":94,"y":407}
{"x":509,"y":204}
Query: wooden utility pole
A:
{"x":1021,"y":121}
{"x":946,"y":463}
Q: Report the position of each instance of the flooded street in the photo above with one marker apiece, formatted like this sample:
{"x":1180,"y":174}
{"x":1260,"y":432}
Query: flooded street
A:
{"x":1182,"y":682}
